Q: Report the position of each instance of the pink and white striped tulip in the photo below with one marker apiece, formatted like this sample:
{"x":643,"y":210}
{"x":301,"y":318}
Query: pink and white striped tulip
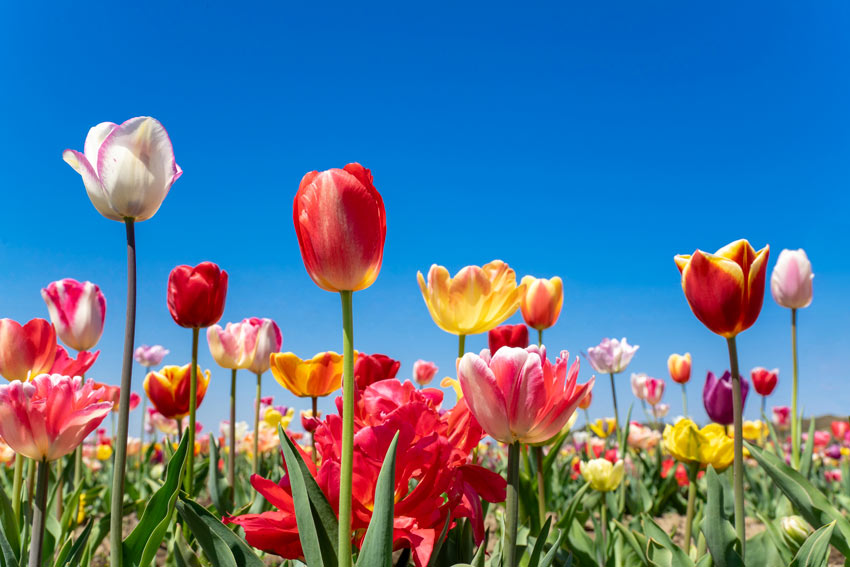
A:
{"x":654,"y":390}
{"x":127,"y":169}
{"x":519,"y":395}
{"x":77,"y":310}
{"x":48,"y":417}
{"x":791,"y":280}
{"x":248,"y":344}
{"x":424,"y":371}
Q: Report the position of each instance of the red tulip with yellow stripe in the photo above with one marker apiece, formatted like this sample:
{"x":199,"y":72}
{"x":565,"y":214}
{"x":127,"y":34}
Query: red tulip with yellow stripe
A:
{"x":541,"y":301}
{"x":168,"y":389}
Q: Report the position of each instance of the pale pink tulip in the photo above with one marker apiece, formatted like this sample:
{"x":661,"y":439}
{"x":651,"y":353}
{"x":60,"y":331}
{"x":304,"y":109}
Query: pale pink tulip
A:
{"x":424,"y":371}
{"x":654,"y":390}
{"x":77,"y":310}
{"x":247,"y":344}
{"x":791,"y":280}
{"x":48,"y":417}
{"x":611,"y":356}
{"x":149,"y":356}
{"x":638,"y":381}
{"x":519,"y":395}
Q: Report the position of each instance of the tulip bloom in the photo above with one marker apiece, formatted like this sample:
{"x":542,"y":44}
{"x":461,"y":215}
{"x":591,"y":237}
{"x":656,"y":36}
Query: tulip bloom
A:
{"x":77,"y":310}
{"x":611,"y":356}
{"x":150,"y":355}
{"x":840,"y":429}
{"x":541,"y":301}
{"x":519,"y":395}
{"x":196,"y":295}
{"x":515,"y":336}
{"x":725,"y":290}
{"x":603,"y":427}
{"x":781,"y":416}
{"x":717,"y":397}
{"x":26,"y":350}
{"x":754,"y":430}
{"x":312,"y":378}
{"x":707,"y":446}
{"x":764,"y":380}
{"x":424,"y":371}
{"x":48,"y":417}
{"x":791,"y":280}
{"x":248,"y":344}
{"x":585,"y":402}
{"x":371,"y":368}
{"x":67,"y":366}
{"x":602,"y":475}
{"x":168,"y":389}
{"x":341,"y":227}
{"x":475,"y":300}
{"x":127,"y":169}
{"x":679,"y":366}
{"x":654,"y":390}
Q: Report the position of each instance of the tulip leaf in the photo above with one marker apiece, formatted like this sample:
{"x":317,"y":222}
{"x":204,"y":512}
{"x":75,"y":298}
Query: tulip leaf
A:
{"x":554,"y":449}
{"x":776,"y":540}
{"x":539,"y":543}
{"x":214,"y":481}
{"x":377,"y":548}
{"x":8,"y":558}
{"x":655,"y":533}
{"x":9,"y":523}
{"x":141,"y":545}
{"x":815,"y":550}
{"x":549,"y":558}
{"x":221,"y":546}
{"x":75,"y":552}
{"x":659,"y":555}
{"x":812,"y":505}
{"x":184,"y":556}
{"x":580,"y":544}
{"x":631,"y":538}
{"x":720,"y":536}
{"x":808,"y":449}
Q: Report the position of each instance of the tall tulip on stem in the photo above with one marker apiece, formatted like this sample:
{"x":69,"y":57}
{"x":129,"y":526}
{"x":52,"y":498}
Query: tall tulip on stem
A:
{"x":127,"y":171}
{"x":679,"y":366}
{"x":725,"y":291}
{"x":341,"y":226}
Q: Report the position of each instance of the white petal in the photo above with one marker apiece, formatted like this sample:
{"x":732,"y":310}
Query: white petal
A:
{"x":95,"y":139}
{"x":93,"y":186}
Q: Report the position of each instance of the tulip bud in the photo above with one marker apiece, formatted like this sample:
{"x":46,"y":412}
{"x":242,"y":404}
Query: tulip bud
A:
{"x":679,"y":366}
{"x":424,"y":371}
{"x":369,"y":369}
{"x":791,"y":280}
{"x":840,"y":429}
{"x":149,"y":356}
{"x":541,"y":301}
{"x":507,"y":336}
{"x":602,"y":475}
{"x":196,"y":295}
{"x":764,"y":380}
{"x":795,"y":531}
{"x":717,"y":397}
{"x":585,"y":402}
{"x":77,"y":310}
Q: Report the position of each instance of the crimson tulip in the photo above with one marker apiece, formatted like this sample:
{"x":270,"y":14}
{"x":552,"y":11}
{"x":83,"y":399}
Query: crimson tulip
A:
{"x":840,"y":429}
{"x":371,"y":368}
{"x":196,"y":295}
{"x":764,"y":380}
{"x":507,"y":335}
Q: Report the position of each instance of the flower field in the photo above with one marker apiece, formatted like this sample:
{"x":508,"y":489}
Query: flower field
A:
{"x":522,"y":470}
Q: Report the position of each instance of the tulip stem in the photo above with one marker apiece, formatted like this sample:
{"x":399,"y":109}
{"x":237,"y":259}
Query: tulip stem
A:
{"x":193,"y":408}
{"x":587,"y":448}
{"x":738,"y":471}
{"x":231,"y":441}
{"x":347,"y":455}
{"x":142,"y":442}
{"x":117,"y":504}
{"x":603,"y":528}
{"x":795,"y":422}
{"x":512,"y":505}
{"x":684,"y":400}
{"x":256,"y":467}
{"x":616,"y":411}
{"x":693,"y":469}
{"x":539,"y":337}
{"x":461,"y":345}
{"x":17,"y":486}
{"x":78,"y":452}
{"x":179,"y":423}
{"x":762,"y":424}
{"x":541,"y":485}
{"x":39,"y":514}
{"x":312,"y":436}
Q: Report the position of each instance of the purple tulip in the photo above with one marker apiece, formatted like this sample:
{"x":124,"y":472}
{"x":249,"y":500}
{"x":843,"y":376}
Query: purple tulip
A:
{"x":717,"y":397}
{"x":833,"y":451}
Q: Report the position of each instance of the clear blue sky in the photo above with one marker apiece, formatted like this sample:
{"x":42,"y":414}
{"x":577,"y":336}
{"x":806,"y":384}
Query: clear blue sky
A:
{"x":591,"y":141}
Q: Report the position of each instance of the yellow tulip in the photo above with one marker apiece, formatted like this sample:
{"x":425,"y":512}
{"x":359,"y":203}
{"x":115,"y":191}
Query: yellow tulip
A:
{"x":755,"y":430}
{"x":274,"y":418}
{"x":707,"y":446}
{"x":81,"y":510}
{"x":603,"y":427}
{"x":312,"y":378}
{"x":475,"y":300}
{"x":602,"y":475}
{"x":103,"y":452}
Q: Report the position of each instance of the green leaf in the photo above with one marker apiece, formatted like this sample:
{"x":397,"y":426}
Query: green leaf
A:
{"x":218,"y":538}
{"x":812,"y":505}
{"x":580,"y":544}
{"x":655,"y":533}
{"x":9,"y":524}
{"x":776,"y":540}
{"x":184,"y":557}
{"x":554,"y":449}
{"x":76,"y":552}
{"x":720,"y":536}
{"x":72,"y":507}
{"x":377,"y":548}
{"x":141,"y":545}
{"x":659,"y":555}
{"x":808,"y":448}
{"x":549,"y":558}
{"x":538,"y":545}
{"x":8,"y":557}
{"x":815,"y":550}
{"x":214,"y":480}
{"x":631,"y":538}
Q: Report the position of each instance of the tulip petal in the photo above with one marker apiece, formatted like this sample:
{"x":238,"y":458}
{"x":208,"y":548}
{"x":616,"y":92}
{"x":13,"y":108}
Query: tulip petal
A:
{"x":714,"y":287}
{"x":94,"y":188}
{"x":484,"y":397}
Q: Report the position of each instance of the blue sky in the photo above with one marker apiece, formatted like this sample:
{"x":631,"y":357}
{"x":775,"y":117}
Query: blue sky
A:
{"x":592,"y":141}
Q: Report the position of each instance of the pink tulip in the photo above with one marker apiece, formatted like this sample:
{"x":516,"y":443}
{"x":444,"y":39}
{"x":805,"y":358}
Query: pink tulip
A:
{"x":26,"y":350}
{"x":518,"y":395}
{"x":77,"y":310}
{"x":424,"y":371}
{"x":638,"y":382}
{"x":149,"y":356}
{"x":67,"y":366}
{"x":791,"y":280}
{"x":611,"y":356}
{"x":47,"y":418}
{"x":654,"y":390}
{"x":781,"y":416}
{"x":247,"y":344}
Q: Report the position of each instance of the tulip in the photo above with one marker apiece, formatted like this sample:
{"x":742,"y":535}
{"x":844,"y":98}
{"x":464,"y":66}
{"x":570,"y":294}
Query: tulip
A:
{"x":602,"y":475}
{"x":311,"y":378}
{"x":267,"y":340}
{"x":611,"y":356}
{"x":585,"y":402}
{"x":541,"y":302}
{"x":168,"y":390}
{"x":46,"y":419}
{"x":603,"y":427}
{"x":196,"y":295}
{"x":840,"y":429}
{"x":643,"y":438}
{"x":717,"y":397}
{"x":371,"y":368}
{"x":424,"y":371}
{"x":781,"y":416}
{"x":660,"y":411}
{"x":475,"y":300}
{"x":679,"y":367}
{"x":654,"y":390}
{"x":67,"y":366}
{"x":149,"y":356}
{"x":795,"y":531}
{"x":26,"y":350}
{"x":77,"y":310}
{"x":791,"y":280}
{"x":454,"y":384}
{"x":755,"y":431}
{"x":638,"y":382}
{"x":515,"y":336}
{"x":764,"y":380}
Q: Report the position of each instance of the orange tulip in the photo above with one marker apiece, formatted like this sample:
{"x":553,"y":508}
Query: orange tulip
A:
{"x":541,"y":301}
{"x":313,"y":378}
{"x":168,"y":389}
{"x":725,"y":290}
{"x":679,"y":366}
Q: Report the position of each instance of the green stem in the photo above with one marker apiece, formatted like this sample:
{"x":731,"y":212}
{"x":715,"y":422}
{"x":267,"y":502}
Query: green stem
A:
{"x":587,"y":448}
{"x":603,"y":529}
{"x":312,"y":436}
{"x":541,"y":484}
{"x":142,"y":439}
{"x":347,"y":455}
{"x":78,"y":452}
{"x":616,"y":411}
{"x":117,"y":504}
{"x":256,"y":467}
{"x":39,"y":515}
{"x":60,"y":487}
{"x":738,"y":471}
{"x":31,"y":467}
{"x":17,"y":486}
{"x":193,"y":408}
{"x":461,"y":345}
{"x":795,"y":422}
{"x":539,"y":337}
{"x":512,"y":505}
{"x":231,"y":441}
{"x":762,"y":424}
{"x":684,"y":400}
{"x":693,"y":469}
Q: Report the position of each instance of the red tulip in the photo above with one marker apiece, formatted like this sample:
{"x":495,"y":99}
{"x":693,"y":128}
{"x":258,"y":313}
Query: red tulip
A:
{"x":26,"y":350}
{"x":67,"y":366}
{"x":509,"y":336}
{"x":840,"y":429}
{"x":764,"y":380}
{"x":371,"y":368}
{"x":725,"y":290}
{"x":585,"y":402}
{"x":341,"y":226}
{"x":196,"y":295}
